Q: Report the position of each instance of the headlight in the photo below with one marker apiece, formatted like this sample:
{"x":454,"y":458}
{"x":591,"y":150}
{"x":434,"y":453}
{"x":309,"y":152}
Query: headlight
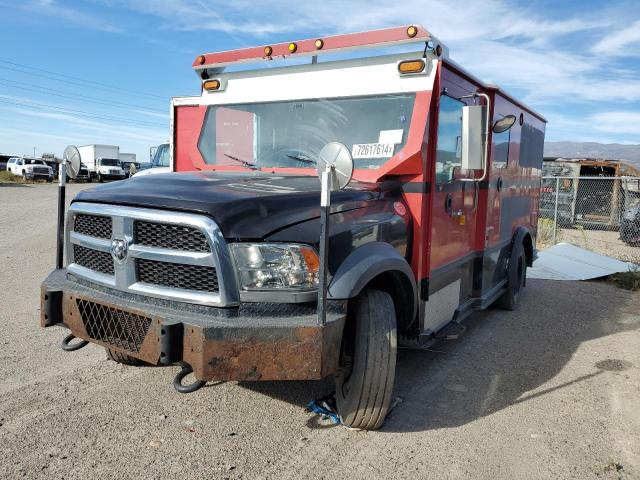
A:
{"x":29,"y":168}
{"x":276,"y":266}
{"x":50,"y":171}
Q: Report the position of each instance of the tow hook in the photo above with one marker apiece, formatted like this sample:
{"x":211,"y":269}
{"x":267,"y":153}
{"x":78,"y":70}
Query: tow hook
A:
{"x":192,"y":387}
{"x":69,"y":347}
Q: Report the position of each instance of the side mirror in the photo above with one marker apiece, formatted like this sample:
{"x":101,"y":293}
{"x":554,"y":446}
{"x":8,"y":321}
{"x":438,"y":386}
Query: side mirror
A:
{"x":504,"y":124}
{"x":474,"y":137}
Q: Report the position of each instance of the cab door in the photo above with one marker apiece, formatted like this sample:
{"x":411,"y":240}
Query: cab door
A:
{"x":454,"y":217}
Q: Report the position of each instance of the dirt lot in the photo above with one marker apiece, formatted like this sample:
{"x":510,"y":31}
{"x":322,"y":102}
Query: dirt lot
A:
{"x":549,"y":391}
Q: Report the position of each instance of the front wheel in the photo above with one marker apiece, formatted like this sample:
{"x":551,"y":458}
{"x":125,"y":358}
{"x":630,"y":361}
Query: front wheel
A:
{"x":122,"y":358}
{"x":516,"y":278}
{"x":364,"y":385}
{"x":100,"y":178}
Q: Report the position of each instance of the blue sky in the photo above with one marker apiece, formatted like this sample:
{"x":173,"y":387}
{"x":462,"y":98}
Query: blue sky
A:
{"x":577,"y":62}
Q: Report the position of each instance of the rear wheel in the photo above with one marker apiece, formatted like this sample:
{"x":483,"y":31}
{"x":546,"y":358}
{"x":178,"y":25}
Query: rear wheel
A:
{"x":122,"y":358}
{"x":364,"y":385}
{"x":516,"y":278}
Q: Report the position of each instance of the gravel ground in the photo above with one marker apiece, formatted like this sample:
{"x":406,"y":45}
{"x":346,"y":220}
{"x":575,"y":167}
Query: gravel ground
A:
{"x":549,"y":391}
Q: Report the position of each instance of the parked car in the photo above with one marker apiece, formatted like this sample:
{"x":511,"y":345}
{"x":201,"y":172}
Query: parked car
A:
{"x":32,"y":168}
{"x":630,"y":226}
{"x":83,"y":175}
{"x":12,"y":161}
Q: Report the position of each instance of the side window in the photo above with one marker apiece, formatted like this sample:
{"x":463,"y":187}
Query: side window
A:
{"x":501,"y":149}
{"x":449,"y":148}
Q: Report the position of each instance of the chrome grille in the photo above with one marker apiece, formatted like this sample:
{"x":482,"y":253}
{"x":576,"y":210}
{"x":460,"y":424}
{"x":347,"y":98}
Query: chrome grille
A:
{"x":93,"y":225}
{"x":165,"y":254}
{"x":164,"y":235}
{"x":97,"y":261}
{"x":173,"y":275}
{"x":115,"y":327}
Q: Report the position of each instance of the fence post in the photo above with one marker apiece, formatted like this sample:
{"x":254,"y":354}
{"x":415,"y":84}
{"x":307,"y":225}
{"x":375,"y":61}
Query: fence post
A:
{"x":555,"y":212}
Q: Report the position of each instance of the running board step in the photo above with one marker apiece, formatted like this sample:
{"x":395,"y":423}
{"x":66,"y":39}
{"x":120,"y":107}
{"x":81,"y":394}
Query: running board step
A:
{"x":451,"y":332}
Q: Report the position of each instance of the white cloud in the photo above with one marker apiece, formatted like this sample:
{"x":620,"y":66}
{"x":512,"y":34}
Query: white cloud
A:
{"x":618,"y":122}
{"x":51,"y":8}
{"x":625,"y":42}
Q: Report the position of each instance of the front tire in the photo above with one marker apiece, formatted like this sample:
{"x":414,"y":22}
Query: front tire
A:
{"x":122,"y":358}
{"x":516,"y":278}
{"x":364,"y":385}
{"x":100,"y":178}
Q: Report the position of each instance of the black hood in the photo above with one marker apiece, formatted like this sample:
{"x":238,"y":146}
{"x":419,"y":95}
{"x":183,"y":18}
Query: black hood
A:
{"x":244,"y":205}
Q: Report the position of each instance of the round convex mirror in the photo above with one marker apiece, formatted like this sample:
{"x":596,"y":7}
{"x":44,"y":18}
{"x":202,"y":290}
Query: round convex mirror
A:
{"x":337,"y":157}
{"x":71,"y":158}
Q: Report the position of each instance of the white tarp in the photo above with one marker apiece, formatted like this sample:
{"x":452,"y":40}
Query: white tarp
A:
{"x":568,"y":262}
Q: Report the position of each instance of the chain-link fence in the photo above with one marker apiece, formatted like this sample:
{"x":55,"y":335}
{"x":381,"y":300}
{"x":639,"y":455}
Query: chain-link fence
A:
{"x":598,"y":213}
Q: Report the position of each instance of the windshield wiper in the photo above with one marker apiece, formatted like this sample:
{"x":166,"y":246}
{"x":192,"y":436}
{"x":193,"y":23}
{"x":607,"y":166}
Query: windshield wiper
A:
{"x":250,"y":165}
{"x":303,"y":159}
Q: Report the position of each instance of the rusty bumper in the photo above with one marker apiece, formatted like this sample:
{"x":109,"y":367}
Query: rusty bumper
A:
{"x":252,"y":342}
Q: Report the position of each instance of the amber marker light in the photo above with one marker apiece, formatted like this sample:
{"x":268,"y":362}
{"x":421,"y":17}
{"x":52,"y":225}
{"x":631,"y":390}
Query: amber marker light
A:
{"x":210,"y":85}
{"x":293,"y":47}
{"x":268,"y":51}
{"x":412,"y":31}
{"x":411,"y":66}
{"x":319,"y":43}
{"x":200,"y":60}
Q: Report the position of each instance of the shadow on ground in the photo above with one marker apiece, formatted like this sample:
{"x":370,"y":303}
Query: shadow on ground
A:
{"x":502,"y":359}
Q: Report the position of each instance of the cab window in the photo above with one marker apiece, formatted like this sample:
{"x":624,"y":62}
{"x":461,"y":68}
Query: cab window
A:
{"x":449,"y":147}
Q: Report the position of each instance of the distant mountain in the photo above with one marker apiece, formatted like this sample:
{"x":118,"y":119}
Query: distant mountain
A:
{"x":609,"y":151}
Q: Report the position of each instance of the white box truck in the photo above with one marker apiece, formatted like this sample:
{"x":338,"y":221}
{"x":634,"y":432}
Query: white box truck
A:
{"x":102,"y":161}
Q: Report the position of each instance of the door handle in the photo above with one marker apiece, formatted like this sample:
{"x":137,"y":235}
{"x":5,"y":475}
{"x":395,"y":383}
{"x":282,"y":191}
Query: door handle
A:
{"x":499,"y":184}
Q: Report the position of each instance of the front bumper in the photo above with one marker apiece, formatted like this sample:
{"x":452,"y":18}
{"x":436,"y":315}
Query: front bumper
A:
{"x":253,"y":342}
{"x":32,"y":176}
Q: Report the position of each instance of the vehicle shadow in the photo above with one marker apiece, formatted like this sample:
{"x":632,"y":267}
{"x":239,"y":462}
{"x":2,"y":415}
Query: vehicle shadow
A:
{"x":502,"y":359}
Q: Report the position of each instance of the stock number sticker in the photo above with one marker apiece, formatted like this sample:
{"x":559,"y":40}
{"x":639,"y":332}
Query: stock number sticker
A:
{"x":372,"y":150}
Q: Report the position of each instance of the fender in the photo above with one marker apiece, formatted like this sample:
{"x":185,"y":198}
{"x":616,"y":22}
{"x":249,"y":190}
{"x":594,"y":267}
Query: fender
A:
{"x":521,"y":235}
{"x":363,"y":265}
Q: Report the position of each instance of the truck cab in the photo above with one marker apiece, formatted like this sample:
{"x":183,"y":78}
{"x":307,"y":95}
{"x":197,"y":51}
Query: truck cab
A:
{"x":216,"y":264}
{"x":160,"y":161}
{"x":109,"y":169}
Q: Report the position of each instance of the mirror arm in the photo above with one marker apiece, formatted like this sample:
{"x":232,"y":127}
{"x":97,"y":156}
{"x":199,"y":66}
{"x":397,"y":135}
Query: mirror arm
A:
{"x":486,"y":138}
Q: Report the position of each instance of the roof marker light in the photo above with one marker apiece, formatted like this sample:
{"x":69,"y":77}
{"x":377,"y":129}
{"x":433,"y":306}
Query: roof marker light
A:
{"x":412,"y":31}
{"x":319,"y":43}
{"x":210,"y":85}
{"x":293,"y":47}
{"x":201,"y":59}
{"x":268,"y":51}
{"x":411,"y":66}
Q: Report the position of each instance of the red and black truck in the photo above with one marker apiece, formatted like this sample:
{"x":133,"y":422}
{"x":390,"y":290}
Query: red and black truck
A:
{"x":216,"y":264}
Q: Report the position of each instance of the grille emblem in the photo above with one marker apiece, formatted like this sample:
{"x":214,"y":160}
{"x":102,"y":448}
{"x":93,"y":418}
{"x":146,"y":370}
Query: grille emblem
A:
{"x":119,"y":249}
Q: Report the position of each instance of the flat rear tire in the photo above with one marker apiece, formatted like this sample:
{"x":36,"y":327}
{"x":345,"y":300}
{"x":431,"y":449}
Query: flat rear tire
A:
{"x":516,"y":278}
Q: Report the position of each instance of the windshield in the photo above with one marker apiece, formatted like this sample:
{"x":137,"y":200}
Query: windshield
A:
{"x":34,"y":162}
{"x":161,"y":157}
{"x":292,"y":133}
{"x":110,"y":162}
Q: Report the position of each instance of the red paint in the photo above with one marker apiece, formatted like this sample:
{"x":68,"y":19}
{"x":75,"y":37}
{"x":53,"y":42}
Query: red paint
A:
{"x":336,"y":42}
{"x":188,"y":121}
